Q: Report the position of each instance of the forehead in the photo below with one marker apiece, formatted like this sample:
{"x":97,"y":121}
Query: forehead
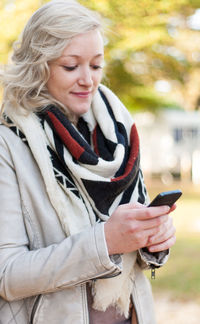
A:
{"x":86,"y":44}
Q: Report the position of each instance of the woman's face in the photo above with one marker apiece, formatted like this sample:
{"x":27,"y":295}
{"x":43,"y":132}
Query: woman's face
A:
{"x":76,"y":74}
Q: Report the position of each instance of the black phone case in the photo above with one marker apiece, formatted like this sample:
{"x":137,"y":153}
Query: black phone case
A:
{"x":166,"y":198}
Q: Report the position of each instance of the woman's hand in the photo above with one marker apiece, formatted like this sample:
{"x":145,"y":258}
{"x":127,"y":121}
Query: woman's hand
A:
{"x":134,"y":226}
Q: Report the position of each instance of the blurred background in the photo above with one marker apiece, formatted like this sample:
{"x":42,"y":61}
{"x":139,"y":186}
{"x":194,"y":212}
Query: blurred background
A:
{"x":153,"y":64}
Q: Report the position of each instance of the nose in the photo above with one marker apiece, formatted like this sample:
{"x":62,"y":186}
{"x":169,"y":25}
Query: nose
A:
{"x":85,"y":77}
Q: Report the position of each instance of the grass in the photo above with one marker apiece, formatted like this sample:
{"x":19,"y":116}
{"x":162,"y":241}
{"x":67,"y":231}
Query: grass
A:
{"x":181,"y":275}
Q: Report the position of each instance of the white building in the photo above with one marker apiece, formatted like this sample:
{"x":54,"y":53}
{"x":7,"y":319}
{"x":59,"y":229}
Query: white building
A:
{"x":170,"y":144}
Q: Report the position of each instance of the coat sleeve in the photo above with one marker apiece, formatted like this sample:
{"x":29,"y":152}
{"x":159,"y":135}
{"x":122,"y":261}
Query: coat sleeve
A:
{"x":147,"y":260}
{"x":24,"y":272}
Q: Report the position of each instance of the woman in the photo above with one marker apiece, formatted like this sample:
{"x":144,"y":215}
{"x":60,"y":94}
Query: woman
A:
{"x":75,"y":232}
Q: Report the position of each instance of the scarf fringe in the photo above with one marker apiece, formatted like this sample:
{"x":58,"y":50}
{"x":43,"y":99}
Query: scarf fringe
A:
{"x":116,"y":291}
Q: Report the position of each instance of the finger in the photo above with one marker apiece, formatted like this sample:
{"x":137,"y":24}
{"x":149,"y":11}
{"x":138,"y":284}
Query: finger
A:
{"x":135,"y":205}
{"x":145,"y":235}
{"x":172,"y":208}
{"x":163,"y":245}
{"x":156,"y":223}
{"x":146,"y":213}
{"x":140,"y":238}
{"x":165,"y":231}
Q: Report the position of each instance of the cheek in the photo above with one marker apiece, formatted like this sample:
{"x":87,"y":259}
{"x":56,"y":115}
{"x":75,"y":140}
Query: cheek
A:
{"x":98,"y":77}
{"x":66,"y":80}
{"x":51,"y":83}
{"x":57,"y":83}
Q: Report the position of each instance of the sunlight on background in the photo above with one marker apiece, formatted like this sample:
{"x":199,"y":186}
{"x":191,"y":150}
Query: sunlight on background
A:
{"x":177,"y":285}
{"x":153,"y":64}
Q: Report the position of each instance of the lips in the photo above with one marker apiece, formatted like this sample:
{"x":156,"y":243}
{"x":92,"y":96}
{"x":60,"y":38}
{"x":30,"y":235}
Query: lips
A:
{"x":82,"y":94}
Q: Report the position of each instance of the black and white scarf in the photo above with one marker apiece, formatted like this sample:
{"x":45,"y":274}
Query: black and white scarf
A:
{"x":88,"y":170}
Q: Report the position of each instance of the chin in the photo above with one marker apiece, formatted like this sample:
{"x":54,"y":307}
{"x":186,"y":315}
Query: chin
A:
{"x":79,"y":108}
{"x":82,"y":111}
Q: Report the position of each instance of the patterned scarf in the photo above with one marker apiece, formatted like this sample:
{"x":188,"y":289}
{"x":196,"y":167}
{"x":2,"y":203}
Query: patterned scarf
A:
{"x":96,"y":164}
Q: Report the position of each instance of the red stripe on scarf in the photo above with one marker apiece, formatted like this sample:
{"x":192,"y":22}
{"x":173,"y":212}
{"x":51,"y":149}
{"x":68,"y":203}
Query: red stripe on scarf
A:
{"x":94,"y":137}
{"x":134,"y":142}
{"x":75,"y":149}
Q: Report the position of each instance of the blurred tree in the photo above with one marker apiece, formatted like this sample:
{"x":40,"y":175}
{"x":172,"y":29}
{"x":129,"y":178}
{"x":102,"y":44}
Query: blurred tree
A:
{"x":152,"y":52}
{"x":13,"y":16}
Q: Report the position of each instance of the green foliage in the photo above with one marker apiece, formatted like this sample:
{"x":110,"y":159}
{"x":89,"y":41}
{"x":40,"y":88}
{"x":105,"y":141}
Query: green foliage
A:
{"x":147,"y":41}
{"x":13,"y":16}
{"x":146,"y":44}
{"x":181,"y":276}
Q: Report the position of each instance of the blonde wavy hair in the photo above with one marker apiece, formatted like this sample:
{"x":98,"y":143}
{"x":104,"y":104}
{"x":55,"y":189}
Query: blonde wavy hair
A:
{"x":43,"y":39}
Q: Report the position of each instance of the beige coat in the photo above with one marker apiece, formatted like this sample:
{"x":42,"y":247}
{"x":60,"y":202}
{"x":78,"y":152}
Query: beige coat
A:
{"x":43,"y":273}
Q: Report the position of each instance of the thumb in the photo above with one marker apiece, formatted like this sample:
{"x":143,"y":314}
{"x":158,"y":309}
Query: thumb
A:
{"x":135,"y":205}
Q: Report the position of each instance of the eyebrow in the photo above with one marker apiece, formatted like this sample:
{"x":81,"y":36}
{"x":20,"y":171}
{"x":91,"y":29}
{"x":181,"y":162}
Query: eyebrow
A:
{"x":74,"y":55}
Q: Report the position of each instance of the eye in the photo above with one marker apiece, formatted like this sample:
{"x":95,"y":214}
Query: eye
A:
{"x":96,"y":67}
{"x":69,"y":68}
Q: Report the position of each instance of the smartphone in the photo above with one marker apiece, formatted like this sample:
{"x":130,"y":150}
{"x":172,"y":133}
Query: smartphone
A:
{"x":166,"y":198}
